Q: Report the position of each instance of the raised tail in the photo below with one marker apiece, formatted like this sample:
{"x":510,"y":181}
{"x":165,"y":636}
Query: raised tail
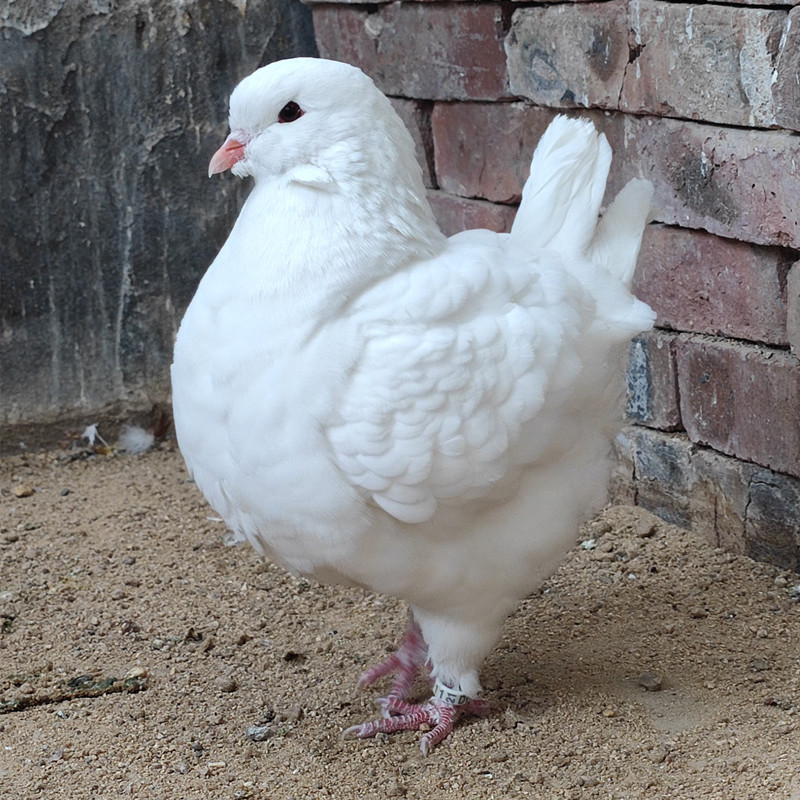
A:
{"x":562,"y":197}
{"x":559,"y":212}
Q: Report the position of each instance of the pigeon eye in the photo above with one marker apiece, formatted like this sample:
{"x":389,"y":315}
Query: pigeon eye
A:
{"x":290,"y":112}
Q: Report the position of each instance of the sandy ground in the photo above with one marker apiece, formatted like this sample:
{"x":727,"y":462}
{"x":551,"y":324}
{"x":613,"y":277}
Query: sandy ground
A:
{"x":113,"y":569}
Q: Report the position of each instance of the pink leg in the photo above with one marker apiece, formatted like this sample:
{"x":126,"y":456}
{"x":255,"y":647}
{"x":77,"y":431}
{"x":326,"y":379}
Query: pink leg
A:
{"x":398,"y":715}
{"x":405,"y":664}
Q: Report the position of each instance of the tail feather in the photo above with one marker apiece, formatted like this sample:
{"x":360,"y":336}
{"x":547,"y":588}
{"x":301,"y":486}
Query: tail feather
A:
{"x":559,"y":212}
{"x":619,"y":235}
{"x":562,"y":197}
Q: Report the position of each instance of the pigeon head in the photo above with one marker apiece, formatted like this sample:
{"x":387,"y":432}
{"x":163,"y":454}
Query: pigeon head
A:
{"x":314,"y":122}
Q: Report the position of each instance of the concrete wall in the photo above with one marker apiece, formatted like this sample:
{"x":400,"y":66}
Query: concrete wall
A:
{"x":703,"y":100}
{"x":109,"y":113}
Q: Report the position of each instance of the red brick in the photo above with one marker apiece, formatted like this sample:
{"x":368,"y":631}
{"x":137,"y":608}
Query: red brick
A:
{"x":484,"y":149}
{"x":456,"y":214}
{"x":731,"y":503}
{"x":741,"y":400}
{"x":703,"y":62}
{"x":569,"y":54}
{"x":417,"y":118}
{"x":740,"y":184}
{"x":663,"y":473}
{"x":420,"y":50}
{"x":737,"y":183}
{"x":652,"y":381}
{"x":773,"y":519}
{"x":793,"y":308}
{"x":720,"y":490}
{"x":786,"y":90}
{"x":701,"y":283}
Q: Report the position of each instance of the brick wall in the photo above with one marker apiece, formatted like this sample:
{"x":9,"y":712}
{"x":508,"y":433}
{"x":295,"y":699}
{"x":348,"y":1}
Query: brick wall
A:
{"x":703,"y":100}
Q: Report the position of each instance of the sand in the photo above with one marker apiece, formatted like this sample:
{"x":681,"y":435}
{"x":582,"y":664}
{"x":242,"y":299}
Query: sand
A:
{"x":649,"y":666}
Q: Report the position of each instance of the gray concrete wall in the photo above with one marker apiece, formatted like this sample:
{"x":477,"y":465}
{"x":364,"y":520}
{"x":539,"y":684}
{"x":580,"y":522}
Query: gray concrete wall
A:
{"x":109,"y":113}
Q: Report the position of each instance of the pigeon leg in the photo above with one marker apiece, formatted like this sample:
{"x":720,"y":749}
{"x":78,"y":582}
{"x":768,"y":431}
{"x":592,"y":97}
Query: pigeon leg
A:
{"x":405,"y":664}
{"x":438,"y":716}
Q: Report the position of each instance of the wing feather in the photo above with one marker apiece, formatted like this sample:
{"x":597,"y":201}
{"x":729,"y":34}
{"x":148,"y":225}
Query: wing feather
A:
{"x":455,"y":359}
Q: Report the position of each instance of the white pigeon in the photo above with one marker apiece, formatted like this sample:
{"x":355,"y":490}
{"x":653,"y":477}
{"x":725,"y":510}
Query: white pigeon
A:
{"x":368,"y":402}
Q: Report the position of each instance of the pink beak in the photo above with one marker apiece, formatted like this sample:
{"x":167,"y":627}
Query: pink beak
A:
{"x":232,"y":150}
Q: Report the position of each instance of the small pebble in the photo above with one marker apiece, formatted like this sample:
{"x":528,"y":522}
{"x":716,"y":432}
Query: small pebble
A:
{"x":510,"y":719}
{"x":259,"y":733}
{"x":64,"y":492}
{"x":22,"y":490}
{"x":227,"y":683}
{"x":395,"y":789}
{"x":658,"y":755}
{"x":291,"y":714}
{"x":136,"y":673}
{"x":601,"y":527}
{"x":650,"y":681}
{"x":645,"y":528}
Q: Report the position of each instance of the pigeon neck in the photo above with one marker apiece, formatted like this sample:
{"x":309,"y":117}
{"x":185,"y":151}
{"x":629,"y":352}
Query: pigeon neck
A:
{"x":325,"y":246}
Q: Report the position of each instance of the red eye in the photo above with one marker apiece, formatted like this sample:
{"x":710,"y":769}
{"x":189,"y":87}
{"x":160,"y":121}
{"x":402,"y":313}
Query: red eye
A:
{"x":290,"y":112}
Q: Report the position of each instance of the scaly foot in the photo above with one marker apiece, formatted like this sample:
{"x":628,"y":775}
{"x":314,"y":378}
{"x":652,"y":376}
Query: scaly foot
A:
{"x":438,"y":715}
{"x":406,"y":664}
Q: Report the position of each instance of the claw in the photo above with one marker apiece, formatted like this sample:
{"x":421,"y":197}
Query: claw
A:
{"x":447,"y":719}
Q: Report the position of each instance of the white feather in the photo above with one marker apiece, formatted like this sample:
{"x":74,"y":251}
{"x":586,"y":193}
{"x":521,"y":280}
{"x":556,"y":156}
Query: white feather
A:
{"x":135,"y":440}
